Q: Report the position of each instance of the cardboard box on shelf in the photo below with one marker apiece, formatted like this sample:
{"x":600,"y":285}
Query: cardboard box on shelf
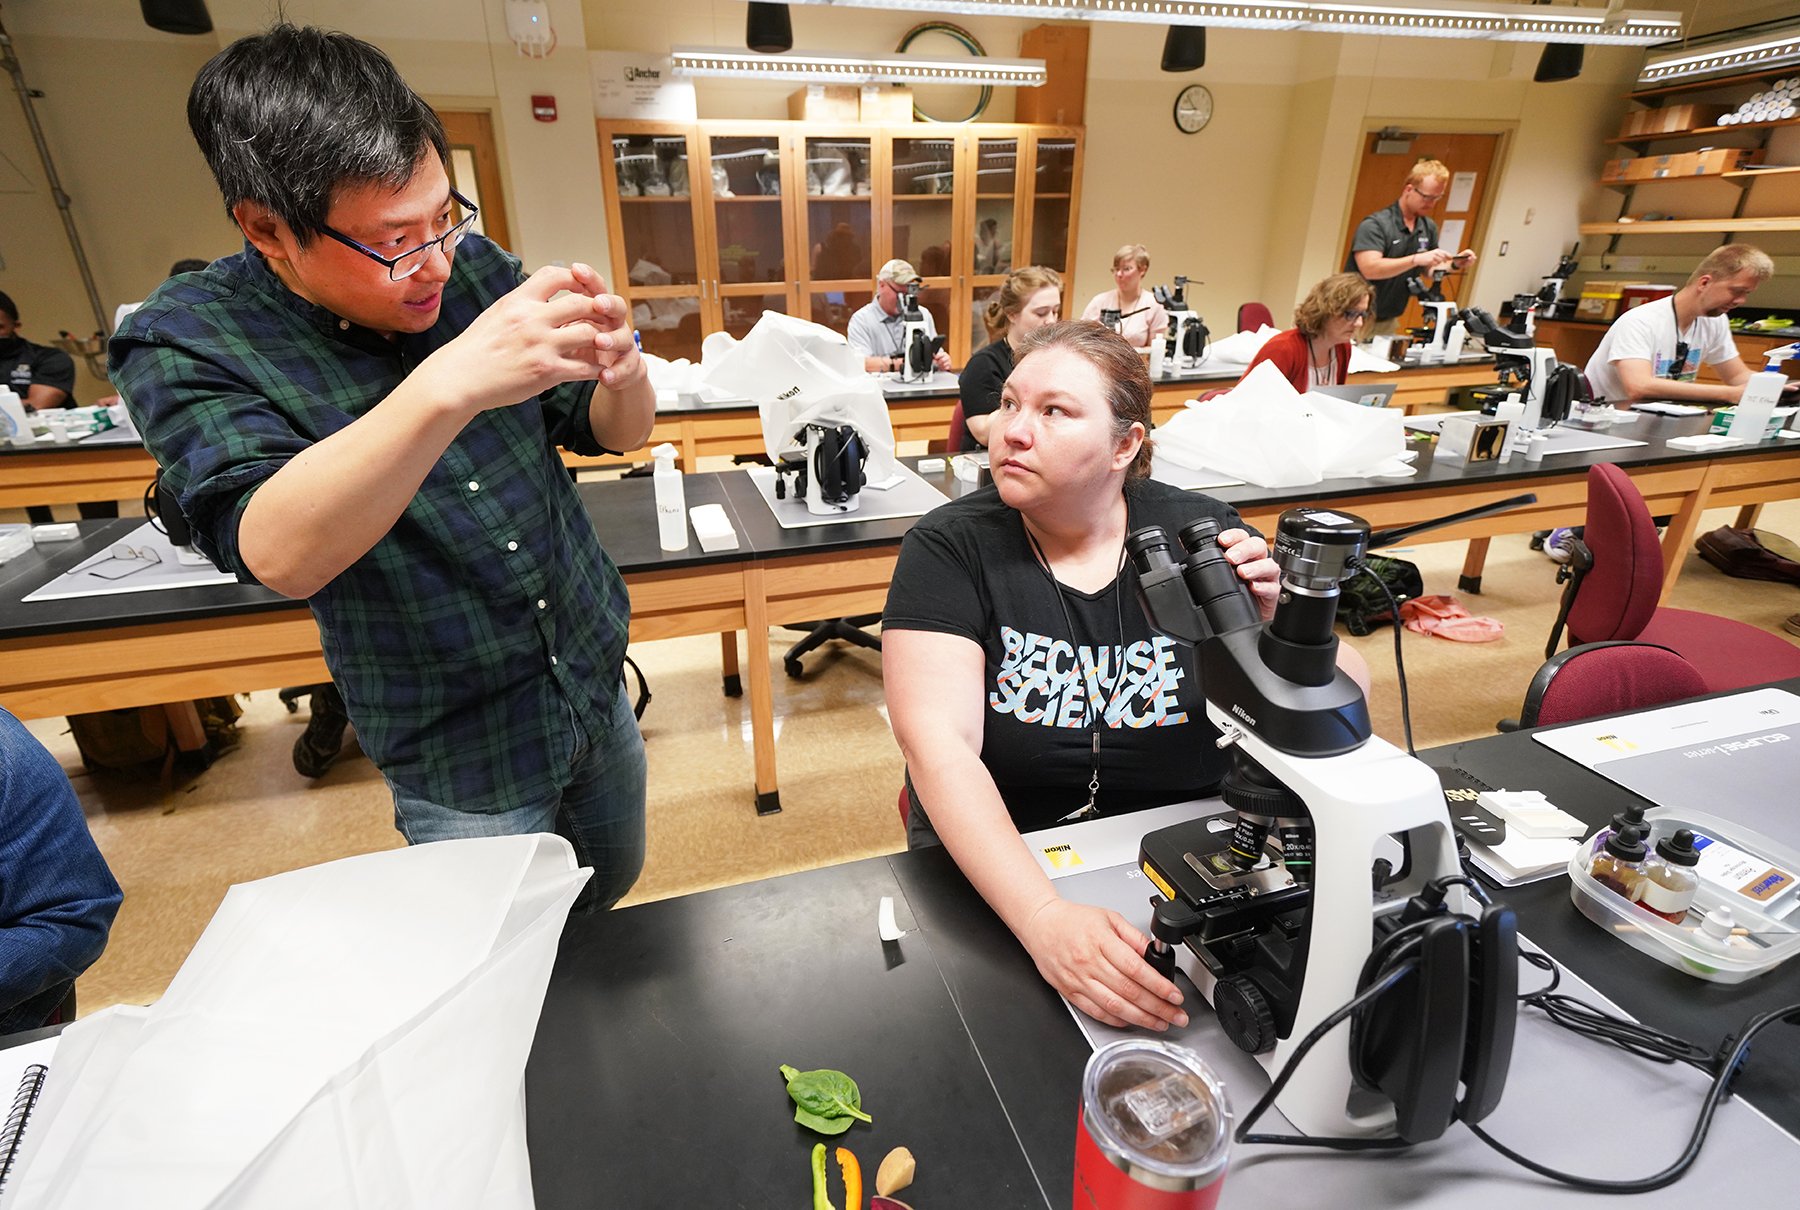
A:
{"x":1714,"y":160}
{"x":886,"y":104}
{"x":824,"y":103}
{"x":1688,"y":116}
{"x":1596,"y":308}
{"x":1661,"y":167}
{"x":1616,"y":170}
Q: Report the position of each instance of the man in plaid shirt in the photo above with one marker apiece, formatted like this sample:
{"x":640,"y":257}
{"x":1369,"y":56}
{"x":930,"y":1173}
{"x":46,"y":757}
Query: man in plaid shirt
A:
{"x":361,"y":409}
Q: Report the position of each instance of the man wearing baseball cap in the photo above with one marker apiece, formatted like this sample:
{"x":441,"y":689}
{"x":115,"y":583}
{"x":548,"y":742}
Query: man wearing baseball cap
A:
{"x":876,"y":329}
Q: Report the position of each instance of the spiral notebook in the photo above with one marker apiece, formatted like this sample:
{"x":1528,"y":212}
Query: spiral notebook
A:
{"x":23,"y":1068}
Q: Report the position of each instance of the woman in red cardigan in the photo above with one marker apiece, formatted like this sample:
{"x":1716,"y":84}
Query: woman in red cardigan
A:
{"x":1315,"y":352}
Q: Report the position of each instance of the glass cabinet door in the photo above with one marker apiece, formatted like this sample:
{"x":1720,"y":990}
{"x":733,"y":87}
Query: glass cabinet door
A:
{"x":751,"y":269}
{"x":1052,"y":202}
{"x":924,"y":195}
{"x":662,"y":268}
{"x":992,"y":227}
{"x":837,"y":227}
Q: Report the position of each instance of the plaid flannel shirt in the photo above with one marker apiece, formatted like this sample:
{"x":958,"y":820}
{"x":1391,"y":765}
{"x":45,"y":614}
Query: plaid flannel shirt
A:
{"x":463,"y":640}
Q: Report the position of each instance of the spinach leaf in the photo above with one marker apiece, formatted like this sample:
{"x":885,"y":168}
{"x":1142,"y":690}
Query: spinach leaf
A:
{"x":825,"y":1095}
{"x":813,"y":1121}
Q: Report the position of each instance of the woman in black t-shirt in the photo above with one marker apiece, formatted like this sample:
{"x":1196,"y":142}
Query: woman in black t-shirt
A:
{"x":1013,"y":640}
{"x":1028,"y":299}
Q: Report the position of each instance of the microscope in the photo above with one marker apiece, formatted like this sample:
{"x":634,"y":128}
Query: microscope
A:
{"x":1110,"y":317}
{"x":1438,"y":339}
{"x":917,"y":346}
{"x":1552,"y":389}
{"x":1549,"y":295}
{"x":1184,"y":347}
{"x":163,"y":507}
{"x":826,"y":471}
{"x":1295,"y":910}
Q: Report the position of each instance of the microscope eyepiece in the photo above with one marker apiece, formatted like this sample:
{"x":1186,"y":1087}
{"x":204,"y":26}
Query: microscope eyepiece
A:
{"x":1149,"y":548}
{"x":1213,"y":581}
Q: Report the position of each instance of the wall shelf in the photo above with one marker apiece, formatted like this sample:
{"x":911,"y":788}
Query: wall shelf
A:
{"x":1771,"y":73}
{"x":1692,"y":226}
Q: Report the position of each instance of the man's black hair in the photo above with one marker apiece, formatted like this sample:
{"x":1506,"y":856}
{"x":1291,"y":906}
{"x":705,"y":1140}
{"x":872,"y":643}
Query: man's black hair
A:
{"x":287,"y":117}
{"x":190,"y":264}
{"x":8,"y":307}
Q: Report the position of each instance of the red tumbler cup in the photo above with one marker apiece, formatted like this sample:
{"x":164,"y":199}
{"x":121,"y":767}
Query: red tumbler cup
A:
{"x":1154,"y":1132}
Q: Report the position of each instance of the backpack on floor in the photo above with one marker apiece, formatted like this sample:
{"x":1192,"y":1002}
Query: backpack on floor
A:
{"x":1362,"y":605}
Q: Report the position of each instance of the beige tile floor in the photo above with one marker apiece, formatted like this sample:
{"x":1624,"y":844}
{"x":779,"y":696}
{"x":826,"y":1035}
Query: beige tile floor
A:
{"x":250,"y":814}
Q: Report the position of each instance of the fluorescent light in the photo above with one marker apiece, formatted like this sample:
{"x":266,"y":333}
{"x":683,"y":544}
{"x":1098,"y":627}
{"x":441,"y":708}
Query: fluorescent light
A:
{"x":1499,"y":22}
{"x":1759,"y":50}
{"x":709,"y":61}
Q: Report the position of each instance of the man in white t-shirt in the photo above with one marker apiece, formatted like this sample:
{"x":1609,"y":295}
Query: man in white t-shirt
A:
{"x":1654,"y":350}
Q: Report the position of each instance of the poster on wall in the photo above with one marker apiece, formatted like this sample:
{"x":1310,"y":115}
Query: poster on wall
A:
{"x":629,"y":84}
{"x":1462,"y":192}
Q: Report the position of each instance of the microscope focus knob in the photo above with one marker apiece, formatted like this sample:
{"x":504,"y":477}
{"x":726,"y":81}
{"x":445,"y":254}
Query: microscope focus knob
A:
{"x":1245,"y":1014}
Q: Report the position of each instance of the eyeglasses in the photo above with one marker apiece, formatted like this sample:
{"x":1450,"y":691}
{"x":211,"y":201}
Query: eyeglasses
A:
{"x":409,"y":263}
{"x":1426,"y":197}
{"x":142,"y":558}
{"x":1355,"y":316}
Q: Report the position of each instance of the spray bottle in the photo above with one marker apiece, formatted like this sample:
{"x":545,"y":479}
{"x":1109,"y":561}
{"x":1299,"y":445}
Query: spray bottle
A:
{"x":671,"y":500}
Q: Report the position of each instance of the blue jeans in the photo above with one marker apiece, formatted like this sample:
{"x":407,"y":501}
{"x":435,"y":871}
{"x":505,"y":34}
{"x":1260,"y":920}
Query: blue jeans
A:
{"x":600,"y":812}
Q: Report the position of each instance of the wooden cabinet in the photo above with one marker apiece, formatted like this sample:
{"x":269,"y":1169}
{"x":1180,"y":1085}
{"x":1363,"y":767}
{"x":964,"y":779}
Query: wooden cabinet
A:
{"x":1679,"y":157}
{"x":712,"y":223}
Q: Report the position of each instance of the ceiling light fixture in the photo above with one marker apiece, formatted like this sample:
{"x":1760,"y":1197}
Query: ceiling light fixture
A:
{"x":708,"y":61}
{"x":1760,"y":49}
{"x":1493,"y":21}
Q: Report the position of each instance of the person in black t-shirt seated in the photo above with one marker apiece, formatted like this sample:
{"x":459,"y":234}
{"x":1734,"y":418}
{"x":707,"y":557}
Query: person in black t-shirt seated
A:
{"x":1013,"y":643}
{"x":1028,"y":299}
{"x":42,"y":377}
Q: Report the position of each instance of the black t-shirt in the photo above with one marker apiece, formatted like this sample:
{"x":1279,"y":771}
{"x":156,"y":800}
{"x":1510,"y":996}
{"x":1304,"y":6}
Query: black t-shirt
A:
{"x":981,"y":380}
{"x":967,"y":569}
{"x":24,"y":365}
{"x":1385,"y":232}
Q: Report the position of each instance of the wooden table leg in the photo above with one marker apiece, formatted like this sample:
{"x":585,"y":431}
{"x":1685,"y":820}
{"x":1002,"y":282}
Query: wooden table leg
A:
{"x":1473,"y":562}
{"x":762,"y":698}
{"x":1748,"y":516}
{"x":184,"y":726}
{"x":728,"y":663}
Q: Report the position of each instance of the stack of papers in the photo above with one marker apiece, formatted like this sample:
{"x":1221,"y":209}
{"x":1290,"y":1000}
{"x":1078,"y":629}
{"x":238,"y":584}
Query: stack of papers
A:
{"x":1515,"y":837}
{"x":1671,"y":409}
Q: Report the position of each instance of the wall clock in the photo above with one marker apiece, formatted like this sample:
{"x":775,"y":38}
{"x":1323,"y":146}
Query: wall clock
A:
{"x":1193,"y":108}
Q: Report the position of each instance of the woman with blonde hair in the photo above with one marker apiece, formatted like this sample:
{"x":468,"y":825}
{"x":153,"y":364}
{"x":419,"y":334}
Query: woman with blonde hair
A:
{"x":1141,"y":318}
{"x":1029,"y":298}
{"x":1315,"y":352}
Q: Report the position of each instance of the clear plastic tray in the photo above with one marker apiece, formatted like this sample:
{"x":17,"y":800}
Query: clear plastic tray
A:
{"x":1765,"y":938}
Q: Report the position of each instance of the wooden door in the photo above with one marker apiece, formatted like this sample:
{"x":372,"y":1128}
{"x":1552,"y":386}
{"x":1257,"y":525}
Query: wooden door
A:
{"x":1382,"y":175}
{"x":475,"y":169}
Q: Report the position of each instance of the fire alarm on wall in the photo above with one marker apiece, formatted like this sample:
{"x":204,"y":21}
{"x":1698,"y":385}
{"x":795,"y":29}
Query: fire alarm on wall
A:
{"x":543,"y":108}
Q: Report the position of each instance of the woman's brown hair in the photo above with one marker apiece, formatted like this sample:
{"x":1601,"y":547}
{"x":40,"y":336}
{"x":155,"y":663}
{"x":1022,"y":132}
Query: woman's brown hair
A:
{"x":1121,"y":369}
{"x":1013,"y":293}
{"x":1335,"y":295}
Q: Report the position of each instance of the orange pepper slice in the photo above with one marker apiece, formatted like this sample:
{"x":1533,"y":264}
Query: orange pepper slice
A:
{"x":852,"y":1178}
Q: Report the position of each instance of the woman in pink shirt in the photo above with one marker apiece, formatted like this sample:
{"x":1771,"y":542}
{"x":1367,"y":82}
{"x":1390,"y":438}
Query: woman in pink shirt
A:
{"x":1142,"y":318}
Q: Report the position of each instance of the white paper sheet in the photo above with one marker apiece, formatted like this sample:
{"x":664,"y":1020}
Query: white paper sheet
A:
{"x":1462,"y":192}
{"x":350,"y":1034}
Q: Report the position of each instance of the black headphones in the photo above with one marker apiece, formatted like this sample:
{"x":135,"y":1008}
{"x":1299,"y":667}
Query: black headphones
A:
{"x":838,"y":460}
{"x":1448,"y":1020}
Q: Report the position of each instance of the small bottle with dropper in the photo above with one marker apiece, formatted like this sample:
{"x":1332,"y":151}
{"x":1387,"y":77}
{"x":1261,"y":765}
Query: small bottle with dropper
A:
{"x":1619,"y":865}
{"x":1670,"y":882}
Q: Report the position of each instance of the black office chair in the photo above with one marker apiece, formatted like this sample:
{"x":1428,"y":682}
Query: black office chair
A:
{"x":848,"y":630}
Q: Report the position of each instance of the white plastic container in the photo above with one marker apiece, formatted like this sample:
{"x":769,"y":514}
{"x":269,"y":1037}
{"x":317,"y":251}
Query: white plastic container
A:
{"x":1761,"y":938}
{"x":15,"y":425}
{"x":671,"y":500}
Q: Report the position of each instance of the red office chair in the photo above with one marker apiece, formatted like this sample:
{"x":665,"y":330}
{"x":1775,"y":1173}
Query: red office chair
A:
{"x":1614,"y":578}
{"x":905,"y":805}
{"x":1252,"y":316}
{"x":959,"y":428}
{"x":1606,"y":678}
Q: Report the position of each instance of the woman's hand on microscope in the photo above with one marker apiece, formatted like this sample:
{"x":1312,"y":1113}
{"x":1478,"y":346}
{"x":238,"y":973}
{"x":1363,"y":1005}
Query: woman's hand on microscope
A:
{"x":1094,"y":957}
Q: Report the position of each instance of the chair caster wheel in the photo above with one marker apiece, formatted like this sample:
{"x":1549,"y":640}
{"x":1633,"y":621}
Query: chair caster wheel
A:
{"x":794,"y":668}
